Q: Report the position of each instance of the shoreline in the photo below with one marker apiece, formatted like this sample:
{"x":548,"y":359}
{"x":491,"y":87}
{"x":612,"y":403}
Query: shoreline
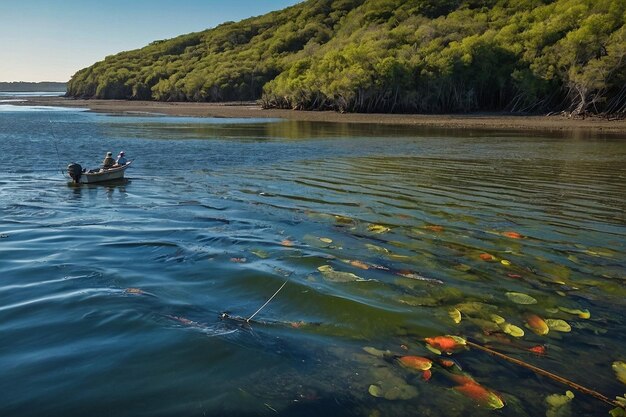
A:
{"x":480,"y":121}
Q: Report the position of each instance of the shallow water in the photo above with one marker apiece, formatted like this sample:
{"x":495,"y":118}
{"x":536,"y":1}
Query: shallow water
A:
{"x":110,"y":295}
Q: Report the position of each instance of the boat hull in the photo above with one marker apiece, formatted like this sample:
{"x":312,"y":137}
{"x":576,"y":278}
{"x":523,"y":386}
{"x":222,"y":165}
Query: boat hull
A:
{"x":104,"y":175}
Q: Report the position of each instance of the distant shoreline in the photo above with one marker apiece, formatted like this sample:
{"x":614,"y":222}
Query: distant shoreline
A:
{"x":492,"y":121}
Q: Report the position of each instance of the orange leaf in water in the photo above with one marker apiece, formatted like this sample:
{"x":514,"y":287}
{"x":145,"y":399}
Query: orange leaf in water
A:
{"x":512,"y":235}
{"x":487,"y":257}
{"x":481,"y":395}
{"x":539,"y":349}
{"x":462,"y":379}
{"x":445,"y":343}
{"x":434,"y":228}
{"x":537,"y":325}
{"x":427,"y":374}
{"x":416,"y":362}
{"x":446,"y":363}
{"x":359,"y":264}
{"x":287,"y":243}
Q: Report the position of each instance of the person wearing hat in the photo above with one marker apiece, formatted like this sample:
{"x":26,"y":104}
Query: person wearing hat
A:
{"x":108,"y":161}
{"x":121,"y":159}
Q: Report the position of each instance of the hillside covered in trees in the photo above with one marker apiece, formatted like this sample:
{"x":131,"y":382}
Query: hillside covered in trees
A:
{"x":427,"y":56}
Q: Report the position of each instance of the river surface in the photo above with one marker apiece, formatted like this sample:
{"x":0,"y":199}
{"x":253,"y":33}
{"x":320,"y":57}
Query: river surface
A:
{"x":111,"y":295}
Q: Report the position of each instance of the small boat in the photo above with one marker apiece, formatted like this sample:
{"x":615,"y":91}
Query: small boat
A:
{"x":83,"y":176}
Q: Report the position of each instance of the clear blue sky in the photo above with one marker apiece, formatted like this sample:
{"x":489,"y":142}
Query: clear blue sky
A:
{"x":49,"y":40}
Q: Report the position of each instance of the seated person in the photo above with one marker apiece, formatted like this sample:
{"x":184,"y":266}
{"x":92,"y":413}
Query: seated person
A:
{"x":121,"y":159}
{"x":108,"y":161}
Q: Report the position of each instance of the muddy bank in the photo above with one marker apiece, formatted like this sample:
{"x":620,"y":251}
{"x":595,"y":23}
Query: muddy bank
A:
{"x":251,"y":110}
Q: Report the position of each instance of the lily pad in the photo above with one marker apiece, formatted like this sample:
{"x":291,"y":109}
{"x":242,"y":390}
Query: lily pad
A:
{"x":455,"y":315}
{"x":537,"y":324}
{"x":512,"y":330}
{"x":260,"y":253}
{"x":481,"y":395}
{"x":558,"y":325}
{"x":331,"y":275}
{"x":376,"y":352}
{"x":446,"y":343}
{"x":390,"y":386}
{"x":558,"y":405}
{"x":378,"y":228}
{"x":375,"y":391}
{"x":583,"y":314}
{"x":521,"y":298}
{"x":416,"y":363}
{"x":497,"y":319}
{"x":620,"y":370}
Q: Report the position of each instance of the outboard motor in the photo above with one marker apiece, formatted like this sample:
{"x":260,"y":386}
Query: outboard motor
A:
{"x":75,"y":171}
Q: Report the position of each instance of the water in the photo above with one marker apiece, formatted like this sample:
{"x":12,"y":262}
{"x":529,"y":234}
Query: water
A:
{"x":110,"y":295}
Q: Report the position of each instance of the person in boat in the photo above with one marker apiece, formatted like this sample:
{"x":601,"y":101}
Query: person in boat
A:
{"x":108,"y":161}
{"x":121,"y":159}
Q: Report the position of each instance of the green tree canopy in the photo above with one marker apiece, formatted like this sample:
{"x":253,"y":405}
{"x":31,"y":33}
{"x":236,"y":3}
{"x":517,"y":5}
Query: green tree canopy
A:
{"x":389,"y":56}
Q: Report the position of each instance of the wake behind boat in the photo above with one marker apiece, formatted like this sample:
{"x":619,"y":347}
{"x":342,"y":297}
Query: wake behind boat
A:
{"x":83,"y":176}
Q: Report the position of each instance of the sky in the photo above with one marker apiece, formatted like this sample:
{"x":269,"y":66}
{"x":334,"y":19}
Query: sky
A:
{"x":49,"y":40}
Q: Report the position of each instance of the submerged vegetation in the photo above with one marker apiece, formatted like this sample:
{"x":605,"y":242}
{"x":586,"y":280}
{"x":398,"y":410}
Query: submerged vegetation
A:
{"x":389,"y":56}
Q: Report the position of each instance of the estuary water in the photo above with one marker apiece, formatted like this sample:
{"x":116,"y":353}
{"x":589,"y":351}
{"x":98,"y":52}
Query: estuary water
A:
{"x":111,"y":295}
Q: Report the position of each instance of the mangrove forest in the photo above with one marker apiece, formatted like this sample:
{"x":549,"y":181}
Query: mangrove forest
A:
{"x":393,"y":56}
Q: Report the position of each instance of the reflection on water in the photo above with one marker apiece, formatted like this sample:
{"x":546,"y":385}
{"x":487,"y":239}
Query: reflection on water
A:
{"x":112,"y":294}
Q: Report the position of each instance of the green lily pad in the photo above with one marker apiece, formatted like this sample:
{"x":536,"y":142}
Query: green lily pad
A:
{"x":378,"y":228}
{"x":375,"y":391}
{"x":520,"y":298}
{"x":583,"y":314}
{"x":620,"y":370}
{"x":497,"y":319}
{"x":455,"y":315}
{"x":558,"y":325}
{"x":376,"y":352}
{"x":558,"y":405}
{"x":331,"y":275}
{"x":512,"y":330}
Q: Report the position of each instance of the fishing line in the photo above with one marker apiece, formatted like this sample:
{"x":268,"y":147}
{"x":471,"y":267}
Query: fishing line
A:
{"x":267,"y":302}
{"x":57,"y":149}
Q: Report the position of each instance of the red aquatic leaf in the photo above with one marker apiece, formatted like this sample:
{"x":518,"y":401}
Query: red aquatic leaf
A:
{"x":446,"y":363}
{"x":462,"y":379}
{"x":487,"y":257}
{"x":287,"y":243}
{"x":515,"y":276}
{"x":512,"y":235}
{"x":416,"y":362}
{"x":480,"y":394}
{"x":434,"y":228}
{"x":427,"y":374}
{"x":539,"y":349}
{"x":445,"y":343}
